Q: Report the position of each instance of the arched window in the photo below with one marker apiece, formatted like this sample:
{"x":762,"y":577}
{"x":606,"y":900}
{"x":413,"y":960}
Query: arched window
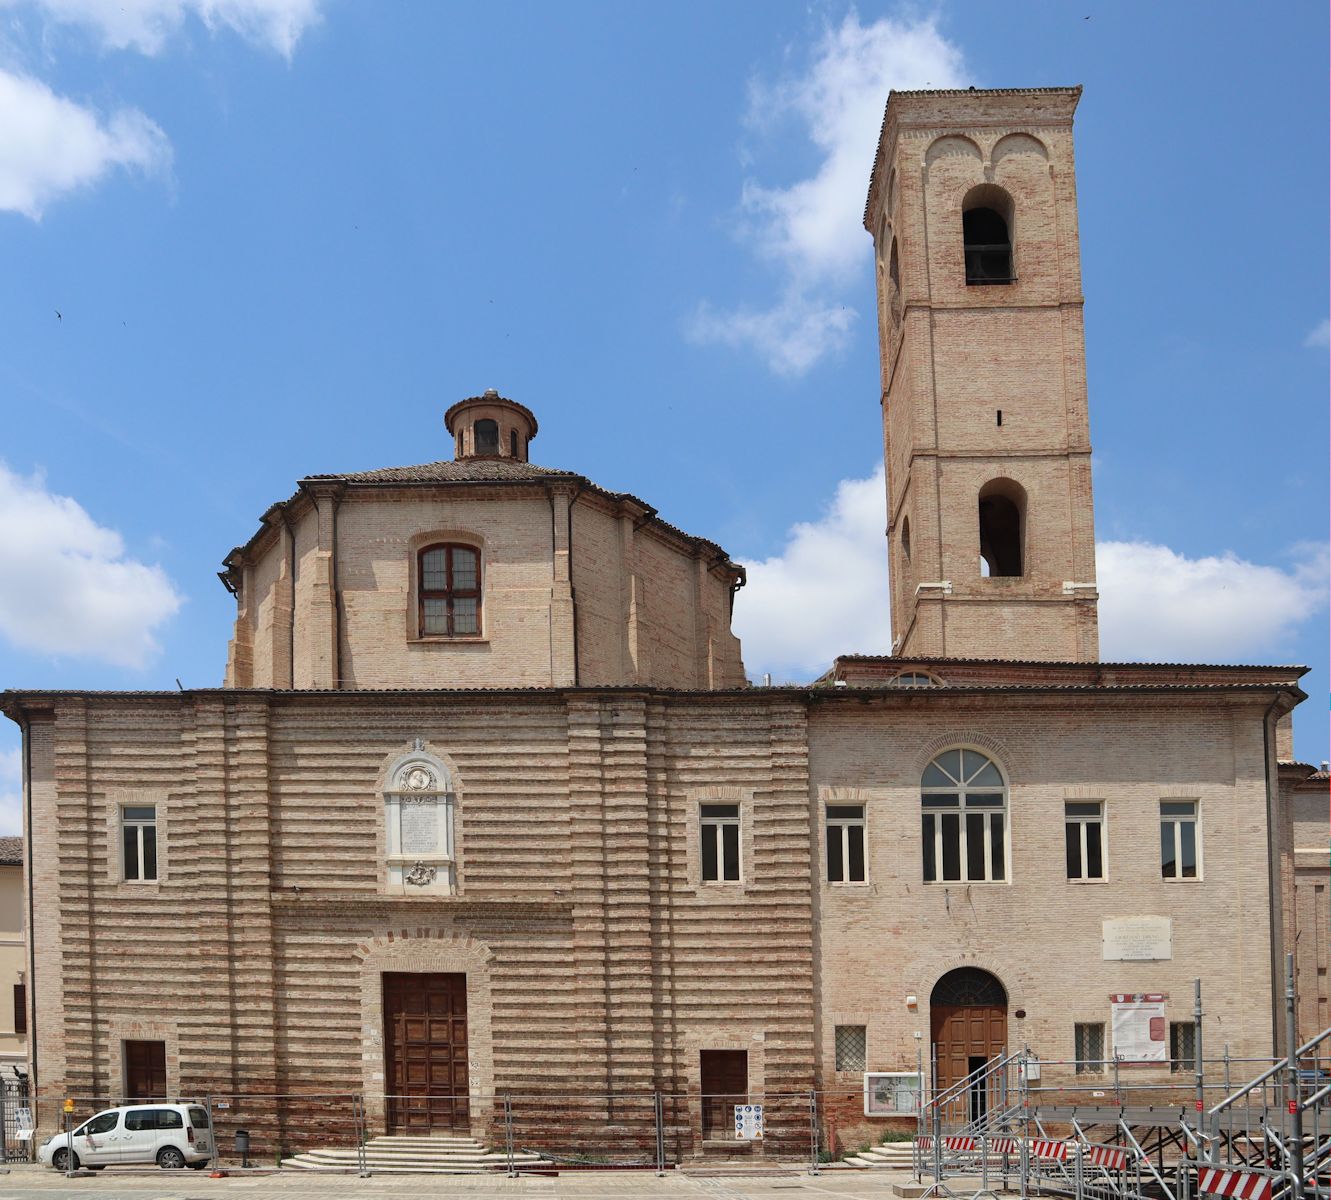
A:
{"x":486,"y":433}
{"x":894,"y":268}
{"x":968,"y":987}
{"x":963,"y":802}
{"x":986,"y":230}
{"x":905,"y":537}
{"x":448,"y":590}
{"x":418,"y":824}
{"x":913,"y":679}
{"x":1002,"y":516}
{"x":512,"y":443}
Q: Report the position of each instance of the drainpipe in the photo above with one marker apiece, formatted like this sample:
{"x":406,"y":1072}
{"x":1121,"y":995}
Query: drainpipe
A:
{"x":1272,"y":876}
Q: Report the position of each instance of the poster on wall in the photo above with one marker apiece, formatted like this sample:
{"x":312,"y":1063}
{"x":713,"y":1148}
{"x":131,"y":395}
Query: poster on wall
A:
{"x":1139,"y":1027}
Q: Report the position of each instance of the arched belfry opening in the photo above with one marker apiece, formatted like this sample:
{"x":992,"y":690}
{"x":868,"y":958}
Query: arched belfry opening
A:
{"x":986,"y":230}
{"x":968,"y":1030}
{"x":1002,"y":517}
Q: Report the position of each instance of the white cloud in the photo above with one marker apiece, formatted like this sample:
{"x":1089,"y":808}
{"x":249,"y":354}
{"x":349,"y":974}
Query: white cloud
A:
{"x":791,"y":336}
{"x":1319,"y":338}
{"x":49,"y":145}
{"x":811,"y":230}
{"x":826,"y":592}
{"x":66,"y":584}
{"x":1157,"y":604}
{"x":147,"y":25}
{"x":11,"y":792}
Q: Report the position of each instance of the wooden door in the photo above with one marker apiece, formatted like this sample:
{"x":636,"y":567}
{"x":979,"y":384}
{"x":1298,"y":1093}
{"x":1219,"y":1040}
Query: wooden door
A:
{"x":425,"y":1039}
{"x":963,"y":1032}
{"x":145,"y":1070}
{"x":725,"y":1083}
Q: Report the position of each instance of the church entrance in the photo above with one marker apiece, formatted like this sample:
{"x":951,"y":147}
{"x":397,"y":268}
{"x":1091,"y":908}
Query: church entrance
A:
{"x":425,"y":1048}
{"x":968,"y":1028}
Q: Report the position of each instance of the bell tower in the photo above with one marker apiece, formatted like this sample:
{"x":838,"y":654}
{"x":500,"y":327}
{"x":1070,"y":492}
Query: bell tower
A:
{"x":973,"y":211}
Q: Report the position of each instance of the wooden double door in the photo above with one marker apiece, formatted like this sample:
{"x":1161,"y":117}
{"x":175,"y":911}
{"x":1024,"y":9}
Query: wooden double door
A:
{"x":425,"y":1048}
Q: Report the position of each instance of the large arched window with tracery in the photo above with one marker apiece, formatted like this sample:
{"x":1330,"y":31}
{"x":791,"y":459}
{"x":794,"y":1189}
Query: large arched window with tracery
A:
{"x":963,"y":803}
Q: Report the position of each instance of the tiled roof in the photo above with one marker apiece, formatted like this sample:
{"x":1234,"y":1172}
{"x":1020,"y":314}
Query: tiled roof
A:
{"x":11,"y":851}
{"x":470,"y":470}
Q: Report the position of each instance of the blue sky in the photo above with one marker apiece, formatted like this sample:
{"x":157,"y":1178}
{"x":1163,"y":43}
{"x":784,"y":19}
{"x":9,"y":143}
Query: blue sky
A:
{"x":284,"y":235}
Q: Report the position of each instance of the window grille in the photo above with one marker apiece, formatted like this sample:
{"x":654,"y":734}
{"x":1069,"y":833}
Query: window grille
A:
{"x":845,"y":843}
{"x":964,"y":819}
{"x":1180,"y":845}
{"x":138,"y":842}
{"x":1083,"y":827}
{"x":1089,"y":1049}
{"x":851,"y":1048}
{"x":719,"y":827}
{"x":1182,"y":1046}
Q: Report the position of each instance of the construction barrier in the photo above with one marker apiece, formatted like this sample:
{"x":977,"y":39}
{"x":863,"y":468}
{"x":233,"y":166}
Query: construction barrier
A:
{"x":1055,"y":1151}
{"x":1109,"y":1157}
{"x":961,"y":1143}
{"x":1240,"y":1185}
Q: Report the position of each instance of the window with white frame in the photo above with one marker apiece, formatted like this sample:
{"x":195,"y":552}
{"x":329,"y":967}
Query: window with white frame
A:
{"x":719,"y":829}
{"x":851,"y":1047}
{"x":963,"y":801}
{"x":845,"y":843}
{"x":1084,"y":833}
{"x":418,"y":815}
{"x":138,"y":842}
{"x":1180,"y":845}
{"x":1089,"y":1047}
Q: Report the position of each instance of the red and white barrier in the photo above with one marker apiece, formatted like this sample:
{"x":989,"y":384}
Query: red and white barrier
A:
{"x":926,"y":1142}
{"x":1240,"y":1185}
{"x":1004,"y":1145}
{"x":1058,"y":1151}
{"x":1106,"y":1156}
{"x":960,"y":1142}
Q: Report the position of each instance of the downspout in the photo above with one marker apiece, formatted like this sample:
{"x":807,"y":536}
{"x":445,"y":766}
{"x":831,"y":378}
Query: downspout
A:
{"x":337,"y":603}
{"x":572,"y":591}
{"x":1274,"y":897}
{"x":291,"y":622}
{"x":30,"y":992}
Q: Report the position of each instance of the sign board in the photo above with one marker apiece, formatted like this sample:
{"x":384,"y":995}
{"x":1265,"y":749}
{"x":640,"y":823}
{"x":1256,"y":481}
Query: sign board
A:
{"x":891,"y":1093}
{"x":69,"y":1105}
{"x":1139,"y":1026}
{"x":1137,"y":939}
{"x":749,"y":1122}
{"x":1029,"y":1069}
{"x":23,"y":1124}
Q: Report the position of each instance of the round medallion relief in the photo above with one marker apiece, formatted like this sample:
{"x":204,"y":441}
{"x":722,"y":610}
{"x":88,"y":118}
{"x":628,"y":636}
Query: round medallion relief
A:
{"x":418,"y":779}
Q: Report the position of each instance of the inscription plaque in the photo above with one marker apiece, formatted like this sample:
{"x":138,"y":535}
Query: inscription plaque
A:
{"x":420,"y":825}
{"x":1137,"y":939}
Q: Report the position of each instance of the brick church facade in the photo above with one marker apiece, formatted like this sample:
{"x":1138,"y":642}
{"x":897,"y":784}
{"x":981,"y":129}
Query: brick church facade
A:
{"x":486,"y":755}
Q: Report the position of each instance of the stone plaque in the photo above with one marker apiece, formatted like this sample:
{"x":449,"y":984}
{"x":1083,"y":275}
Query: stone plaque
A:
{"x":1137,"y":939}
{"x":420,"y":824}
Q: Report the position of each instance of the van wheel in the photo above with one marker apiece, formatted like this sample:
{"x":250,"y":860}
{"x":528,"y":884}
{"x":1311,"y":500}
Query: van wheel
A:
{"x":60,"y":1159}
{"x":169,"y":1158}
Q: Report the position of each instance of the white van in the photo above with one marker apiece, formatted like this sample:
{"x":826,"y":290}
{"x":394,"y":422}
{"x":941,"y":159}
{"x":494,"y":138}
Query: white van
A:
{"x":170,"y":1135}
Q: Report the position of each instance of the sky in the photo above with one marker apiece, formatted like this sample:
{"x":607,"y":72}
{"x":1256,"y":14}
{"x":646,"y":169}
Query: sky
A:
{"x":242,"y":241}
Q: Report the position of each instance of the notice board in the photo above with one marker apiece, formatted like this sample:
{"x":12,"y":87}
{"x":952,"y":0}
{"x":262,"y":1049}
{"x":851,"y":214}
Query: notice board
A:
{"x":1139,"y":1026}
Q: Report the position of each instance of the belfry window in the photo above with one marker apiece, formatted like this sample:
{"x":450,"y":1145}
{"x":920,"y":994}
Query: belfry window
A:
{"x":963,"y":802}
{"x":512,"y":443}
{"x":449,"y":591}
{"x":1002,"y":516}
{"x":988,"y":247}
{"x":486,"y":434}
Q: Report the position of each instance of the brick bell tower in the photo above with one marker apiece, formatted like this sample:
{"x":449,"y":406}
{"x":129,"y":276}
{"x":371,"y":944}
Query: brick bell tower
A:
{"x":973,"y":211}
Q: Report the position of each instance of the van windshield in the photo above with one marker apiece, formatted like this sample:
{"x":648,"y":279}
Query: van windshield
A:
{"x":198,"y":1117}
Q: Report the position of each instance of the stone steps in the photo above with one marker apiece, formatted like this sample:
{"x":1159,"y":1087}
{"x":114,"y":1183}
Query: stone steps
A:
{"x":891,"y":1156}
{"x":412,"y":1155}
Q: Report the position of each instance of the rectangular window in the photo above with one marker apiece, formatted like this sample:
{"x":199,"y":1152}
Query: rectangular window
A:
{"x":1084,"y":833}
{"x":138,"y":840}
{"x":720,"y":843}
{"x":1180,"y":845}
{"x":20,"y":1008}
{"x":450,"y":591}
{"x":845,"y":843}
{"x":964,"y":844}
{"x":851,"y":1048}
{"x":1182,"y":1046}
{"x":1089,"y":1049}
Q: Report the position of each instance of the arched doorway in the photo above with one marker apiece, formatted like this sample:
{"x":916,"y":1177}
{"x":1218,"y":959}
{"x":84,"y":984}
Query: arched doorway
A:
{"x":968,"y":1027}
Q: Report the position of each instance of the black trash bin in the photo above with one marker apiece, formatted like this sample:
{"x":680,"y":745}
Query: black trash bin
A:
{"x":243,"y":1146}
